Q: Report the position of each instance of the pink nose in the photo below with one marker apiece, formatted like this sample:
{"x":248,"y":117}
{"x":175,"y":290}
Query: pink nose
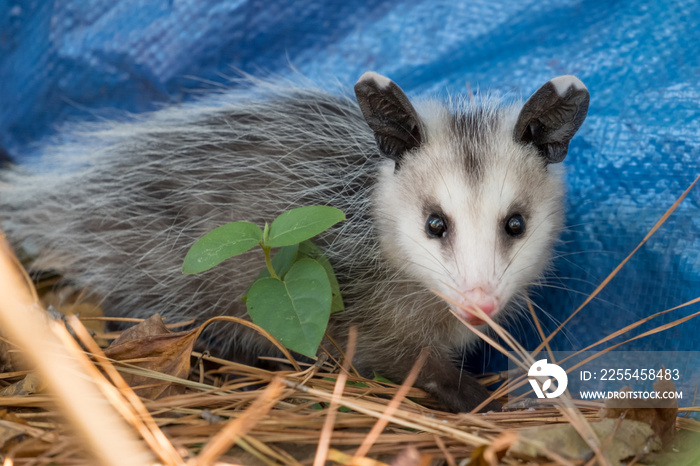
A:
{"x":479,"y":298}
{"x":488,"y":306}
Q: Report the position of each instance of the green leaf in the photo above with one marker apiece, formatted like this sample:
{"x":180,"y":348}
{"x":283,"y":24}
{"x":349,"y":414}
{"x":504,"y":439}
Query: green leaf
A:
{"x":297,"y":225}
{"x":342,"y":409}
{"x":354,"y":383}
{"x":379,"y":378}
{"x":266,"y":234}
{"x":295,"y":310}
{"x":281,"y":262}
{"x":310,"y":250}
{"x":218,"y":245}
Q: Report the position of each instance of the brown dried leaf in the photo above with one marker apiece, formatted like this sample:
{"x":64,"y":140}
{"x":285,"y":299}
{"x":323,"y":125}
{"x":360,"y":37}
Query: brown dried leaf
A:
{"x":8,"y":432}
{"x":14,"y":429}
{"x":345,"y":459}
{"x":28,"y":385}
{"x":10,"y":359}
{"x":621,"y":439}
{"x":684,"y":450}
{"x":477,"y":456}
{"x":410,"y":456}
{"x":68,"y":301}
{"x":661,"y":418}
{"x":493,"y":453}
{"x":151,"y":345}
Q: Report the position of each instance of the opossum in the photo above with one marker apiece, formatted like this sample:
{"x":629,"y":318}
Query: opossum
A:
{"x":464,"y":198}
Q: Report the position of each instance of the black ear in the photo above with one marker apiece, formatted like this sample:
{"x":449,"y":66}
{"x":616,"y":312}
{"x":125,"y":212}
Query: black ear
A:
{"x":389,"y":113}
{"x":551,"y":117}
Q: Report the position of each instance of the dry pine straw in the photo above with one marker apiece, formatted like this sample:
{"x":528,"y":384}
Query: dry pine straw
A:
{"x":280,"y":418}
{"x":301,"y":416}
{"x":296,"y":410}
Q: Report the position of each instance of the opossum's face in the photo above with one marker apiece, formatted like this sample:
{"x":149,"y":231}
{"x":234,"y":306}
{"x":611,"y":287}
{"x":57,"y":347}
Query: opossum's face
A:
{"x":477,"y":232}
{"x":470,"y":203}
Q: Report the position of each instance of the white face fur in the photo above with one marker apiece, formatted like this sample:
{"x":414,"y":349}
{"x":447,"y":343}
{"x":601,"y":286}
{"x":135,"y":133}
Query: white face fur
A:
{"x":470,"y":203}
{"x":475,"y":178}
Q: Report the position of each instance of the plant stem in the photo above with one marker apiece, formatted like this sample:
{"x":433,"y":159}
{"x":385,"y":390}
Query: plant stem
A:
{"x":268,"y":262}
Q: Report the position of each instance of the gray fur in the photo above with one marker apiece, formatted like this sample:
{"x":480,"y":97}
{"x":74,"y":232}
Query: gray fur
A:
{"x":120,"y":208}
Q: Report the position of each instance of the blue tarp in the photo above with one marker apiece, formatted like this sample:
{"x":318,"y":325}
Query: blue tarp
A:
{"x":639,"y":149}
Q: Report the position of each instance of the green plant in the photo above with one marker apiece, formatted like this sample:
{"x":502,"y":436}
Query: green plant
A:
{"x":296,"y":292}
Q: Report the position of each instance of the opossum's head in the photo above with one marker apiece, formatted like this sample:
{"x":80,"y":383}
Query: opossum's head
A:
{"x":469,"y":201}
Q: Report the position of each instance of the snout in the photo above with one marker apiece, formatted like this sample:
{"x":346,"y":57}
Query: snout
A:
{"x":477,"y":298}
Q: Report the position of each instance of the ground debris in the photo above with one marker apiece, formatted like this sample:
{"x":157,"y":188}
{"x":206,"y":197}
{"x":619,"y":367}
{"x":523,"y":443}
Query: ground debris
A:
{"x":150,"y":345}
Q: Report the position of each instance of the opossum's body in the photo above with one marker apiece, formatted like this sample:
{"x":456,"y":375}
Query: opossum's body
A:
{"x":121,"y":208}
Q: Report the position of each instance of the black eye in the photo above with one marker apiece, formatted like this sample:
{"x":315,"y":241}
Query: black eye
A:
{"x":515,"y":225}
{"x":436,"y":226}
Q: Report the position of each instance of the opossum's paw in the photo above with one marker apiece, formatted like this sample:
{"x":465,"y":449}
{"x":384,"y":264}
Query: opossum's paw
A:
{"x":457,"y":391}
{"x":470,"y":395}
